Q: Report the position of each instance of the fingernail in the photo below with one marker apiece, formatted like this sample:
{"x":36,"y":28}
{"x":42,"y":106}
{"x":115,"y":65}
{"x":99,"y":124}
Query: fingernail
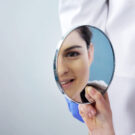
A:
{"x":89,"y":114}
{"x":93,"y":112}
{"x":91,"y":91}
{"x":89,"y":98}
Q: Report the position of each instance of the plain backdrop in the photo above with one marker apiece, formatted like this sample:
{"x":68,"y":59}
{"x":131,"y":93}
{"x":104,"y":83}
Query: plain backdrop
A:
{"x":103,"y":63}
{"x":30,"y":102}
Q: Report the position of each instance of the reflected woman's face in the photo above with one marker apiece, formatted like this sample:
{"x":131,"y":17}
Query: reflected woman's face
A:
{"x":74,"y":61}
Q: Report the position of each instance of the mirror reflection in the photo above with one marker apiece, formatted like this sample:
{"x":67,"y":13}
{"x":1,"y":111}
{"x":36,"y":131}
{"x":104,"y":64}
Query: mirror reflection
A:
{"x":74,"y":68}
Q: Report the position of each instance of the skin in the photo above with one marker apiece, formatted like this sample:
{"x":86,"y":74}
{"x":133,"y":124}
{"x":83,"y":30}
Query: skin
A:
{"x":74,"y":61}
{"x":98,"y":117}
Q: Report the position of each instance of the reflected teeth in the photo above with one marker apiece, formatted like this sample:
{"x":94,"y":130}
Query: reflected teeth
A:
{"x":65,"y":82}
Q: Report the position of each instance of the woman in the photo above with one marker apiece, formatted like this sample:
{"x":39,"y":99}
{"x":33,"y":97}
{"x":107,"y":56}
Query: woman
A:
{"x":74,"y":61}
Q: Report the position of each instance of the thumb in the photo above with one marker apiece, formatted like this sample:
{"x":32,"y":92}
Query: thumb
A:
{"x":97,"y":97}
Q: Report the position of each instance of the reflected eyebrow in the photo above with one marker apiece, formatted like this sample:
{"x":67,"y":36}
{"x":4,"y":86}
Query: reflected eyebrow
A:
{"x":72,"y":47}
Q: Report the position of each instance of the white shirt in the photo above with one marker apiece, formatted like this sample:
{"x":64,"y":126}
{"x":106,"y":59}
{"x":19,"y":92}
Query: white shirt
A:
{"x":117,"y":19}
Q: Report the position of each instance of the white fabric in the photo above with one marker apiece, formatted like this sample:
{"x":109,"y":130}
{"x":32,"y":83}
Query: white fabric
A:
{"x":117,"y":19}
{"x":100,"y":84}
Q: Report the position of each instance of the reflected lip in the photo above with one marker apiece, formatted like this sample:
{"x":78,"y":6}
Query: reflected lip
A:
{"x":66,"y":83}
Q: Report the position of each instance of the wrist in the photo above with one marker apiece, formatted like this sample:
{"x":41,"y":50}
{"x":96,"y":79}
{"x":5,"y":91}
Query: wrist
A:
{"x":102,"y":133}
{"x":108,"y":130}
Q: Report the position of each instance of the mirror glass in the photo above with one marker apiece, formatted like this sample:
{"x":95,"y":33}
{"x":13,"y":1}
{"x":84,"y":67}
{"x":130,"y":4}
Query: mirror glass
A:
{"x":84,"y":57}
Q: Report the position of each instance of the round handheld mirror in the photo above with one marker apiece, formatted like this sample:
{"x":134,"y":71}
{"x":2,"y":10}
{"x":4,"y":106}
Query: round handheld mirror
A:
{"x":84,"y":58}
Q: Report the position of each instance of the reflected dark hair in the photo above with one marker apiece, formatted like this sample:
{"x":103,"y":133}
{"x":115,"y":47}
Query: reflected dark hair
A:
{"x":85,"y":34}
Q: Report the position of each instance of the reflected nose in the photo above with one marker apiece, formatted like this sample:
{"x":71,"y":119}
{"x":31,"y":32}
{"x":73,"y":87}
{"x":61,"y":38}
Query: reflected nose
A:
{"x":62,"y":67}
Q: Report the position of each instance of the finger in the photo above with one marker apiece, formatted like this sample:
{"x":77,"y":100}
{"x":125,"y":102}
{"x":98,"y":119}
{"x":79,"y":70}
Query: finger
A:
{"x":84,"y":110}
{"x":108,"y":103}
{"x":106,"y":97}
{"x":89,"y":98}
{"x":87,"y":110}
{"x":97,"y":96}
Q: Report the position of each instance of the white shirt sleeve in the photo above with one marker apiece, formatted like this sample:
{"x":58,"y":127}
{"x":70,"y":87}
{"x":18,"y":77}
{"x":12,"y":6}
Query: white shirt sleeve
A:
{"x":73,"y":13}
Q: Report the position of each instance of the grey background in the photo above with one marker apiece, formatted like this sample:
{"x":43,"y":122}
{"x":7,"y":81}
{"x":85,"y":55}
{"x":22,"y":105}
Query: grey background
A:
{"x":30,"y":103}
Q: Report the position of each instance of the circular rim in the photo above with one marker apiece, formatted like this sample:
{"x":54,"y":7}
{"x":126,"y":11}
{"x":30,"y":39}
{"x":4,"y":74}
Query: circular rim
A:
{"x":56,"y":57}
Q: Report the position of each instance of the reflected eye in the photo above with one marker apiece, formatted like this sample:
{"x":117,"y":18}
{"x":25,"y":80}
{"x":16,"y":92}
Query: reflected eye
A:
{"x":72,"y":54}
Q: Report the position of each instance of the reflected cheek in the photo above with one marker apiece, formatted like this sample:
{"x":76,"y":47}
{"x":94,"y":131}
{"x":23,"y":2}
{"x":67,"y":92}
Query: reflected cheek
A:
{"x":81,"y":70}
{"x":84,"y":73}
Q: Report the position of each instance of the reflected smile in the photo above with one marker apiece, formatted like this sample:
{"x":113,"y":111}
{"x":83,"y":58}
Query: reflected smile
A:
{"x":66,"y":83}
